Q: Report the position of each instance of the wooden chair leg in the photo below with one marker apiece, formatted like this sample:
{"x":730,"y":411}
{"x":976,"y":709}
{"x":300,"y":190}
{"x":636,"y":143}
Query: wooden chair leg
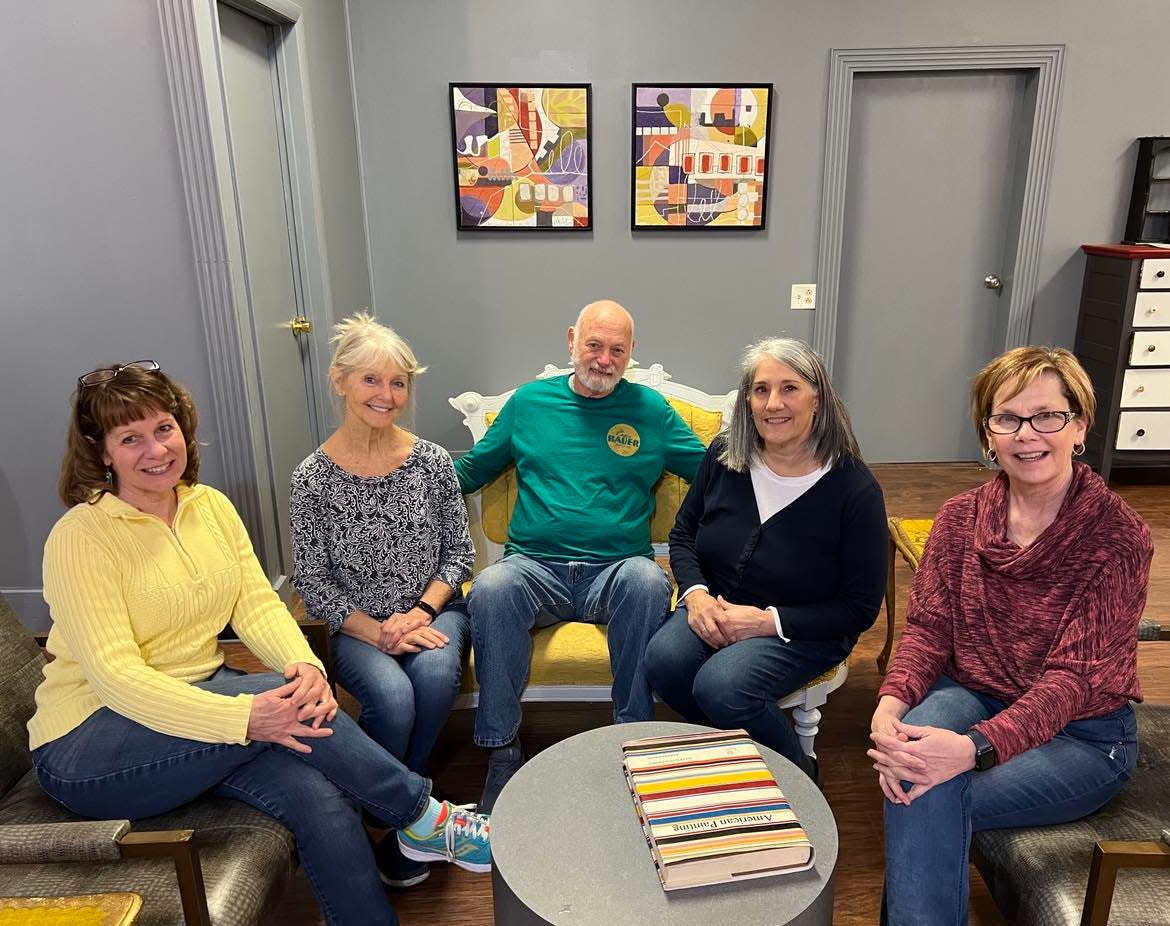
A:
{"x":807,"y":723}
{"x":883,"y":659}
{"x":176,"y":845}
{"x":1108,"y":859}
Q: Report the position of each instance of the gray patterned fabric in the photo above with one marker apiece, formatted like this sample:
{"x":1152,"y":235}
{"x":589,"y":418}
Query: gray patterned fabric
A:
{"x":1149,"y":630}
{"x":246,"y":856}
{"x":90,"y":841}
{"x":1038,"y":875}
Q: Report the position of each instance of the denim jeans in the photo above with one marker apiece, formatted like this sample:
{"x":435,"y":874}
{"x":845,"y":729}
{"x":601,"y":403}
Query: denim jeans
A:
{"x":737,"y":685}
{"x":927,"y":843}
{"x":518,"y":593}
{"x":405,"y":699}
{"x":113,"y":768}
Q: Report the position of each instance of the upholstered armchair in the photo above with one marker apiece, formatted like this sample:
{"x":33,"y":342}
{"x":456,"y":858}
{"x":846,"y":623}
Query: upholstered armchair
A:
{"x":213,"y":861}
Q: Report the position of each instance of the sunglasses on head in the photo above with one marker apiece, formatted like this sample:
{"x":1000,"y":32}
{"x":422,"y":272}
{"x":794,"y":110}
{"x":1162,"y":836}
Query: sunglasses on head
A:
{"x":106,"y":374}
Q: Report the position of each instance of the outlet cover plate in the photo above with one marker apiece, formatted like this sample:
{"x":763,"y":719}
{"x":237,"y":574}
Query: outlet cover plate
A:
{"x":804,"y":295}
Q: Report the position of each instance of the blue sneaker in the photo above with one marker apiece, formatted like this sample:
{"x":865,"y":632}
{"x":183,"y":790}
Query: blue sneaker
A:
{"x":459,"y":836}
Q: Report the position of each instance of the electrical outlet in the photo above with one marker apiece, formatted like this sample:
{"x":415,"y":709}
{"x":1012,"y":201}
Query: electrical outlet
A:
{"x":804,"y":295}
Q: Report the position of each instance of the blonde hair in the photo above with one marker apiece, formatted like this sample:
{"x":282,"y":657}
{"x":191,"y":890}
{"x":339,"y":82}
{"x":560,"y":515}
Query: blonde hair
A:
{"x":832,"y":433}
{"x":1019,"y":368}
{"x":364,"y":343}
{"x":129,"y":396}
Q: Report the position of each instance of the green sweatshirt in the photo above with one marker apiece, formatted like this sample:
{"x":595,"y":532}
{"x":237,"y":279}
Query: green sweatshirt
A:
{"x":585,"y":468}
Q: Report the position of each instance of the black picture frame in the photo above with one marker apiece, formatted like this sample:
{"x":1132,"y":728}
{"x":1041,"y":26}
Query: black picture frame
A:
{"x":541,"y":195}
{"x":650,"y":122}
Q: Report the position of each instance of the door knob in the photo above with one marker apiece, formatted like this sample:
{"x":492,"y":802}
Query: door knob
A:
{"x":300,"y":325}
{"x":991,"y":281}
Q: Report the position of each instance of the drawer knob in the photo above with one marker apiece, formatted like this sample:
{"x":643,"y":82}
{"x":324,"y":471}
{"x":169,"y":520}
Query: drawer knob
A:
{"x":1151,"y":349}
{"x":1153,"y":310}
{"x":1141,"y":389}
{"x":1141,"y":432}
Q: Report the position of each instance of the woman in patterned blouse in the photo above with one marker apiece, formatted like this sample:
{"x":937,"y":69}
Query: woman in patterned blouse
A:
{"x":379,"y":532}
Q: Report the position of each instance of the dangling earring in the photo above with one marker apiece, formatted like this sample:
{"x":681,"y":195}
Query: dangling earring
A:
{"x":1077,"y":453}
{"x":109,"y":476}
{"x":990,"y":454}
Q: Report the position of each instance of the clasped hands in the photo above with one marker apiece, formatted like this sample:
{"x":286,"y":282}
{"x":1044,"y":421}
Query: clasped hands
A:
{"x":296,"y":709}
{"x":718,"y":623}
{"x":920,"y":756}
{"x":409,"y":632}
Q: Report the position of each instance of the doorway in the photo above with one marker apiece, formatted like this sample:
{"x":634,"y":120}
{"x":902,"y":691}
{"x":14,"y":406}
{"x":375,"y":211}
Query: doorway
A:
{"x":936,"y":173}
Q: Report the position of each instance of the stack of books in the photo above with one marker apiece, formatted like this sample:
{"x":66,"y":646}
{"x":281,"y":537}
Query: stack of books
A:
{"x":711,"y":811}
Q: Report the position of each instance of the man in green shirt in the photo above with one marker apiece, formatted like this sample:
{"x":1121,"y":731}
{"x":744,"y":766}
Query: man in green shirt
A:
{"x":588,"y":449}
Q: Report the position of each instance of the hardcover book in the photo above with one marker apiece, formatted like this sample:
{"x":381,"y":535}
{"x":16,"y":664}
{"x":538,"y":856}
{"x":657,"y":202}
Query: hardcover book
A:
{"x":711,"y":810}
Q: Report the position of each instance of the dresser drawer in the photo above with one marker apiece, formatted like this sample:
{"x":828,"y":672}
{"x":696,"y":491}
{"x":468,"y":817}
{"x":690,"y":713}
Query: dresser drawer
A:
{"x":1150,"y":349}
{"x":1145,"y":389}
{"x":1143,"y":431}
{"x":1155,"y":273}
{"x":1152,"y":310}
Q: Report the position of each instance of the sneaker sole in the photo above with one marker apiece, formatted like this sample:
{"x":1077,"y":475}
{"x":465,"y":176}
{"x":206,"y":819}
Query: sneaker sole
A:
{"x":406,"y":882}
{"x":419,"y":856}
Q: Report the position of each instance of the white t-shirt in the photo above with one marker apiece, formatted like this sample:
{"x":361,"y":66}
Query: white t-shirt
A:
{"x":774,"y":493}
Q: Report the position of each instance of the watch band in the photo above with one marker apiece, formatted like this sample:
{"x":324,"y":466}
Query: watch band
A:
{"x":428,"y":608}
{"x":985,"y":757}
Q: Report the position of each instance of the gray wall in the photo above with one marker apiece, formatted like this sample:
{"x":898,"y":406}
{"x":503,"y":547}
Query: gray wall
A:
{"x":95,"y":250}
{"x":487,"y":311}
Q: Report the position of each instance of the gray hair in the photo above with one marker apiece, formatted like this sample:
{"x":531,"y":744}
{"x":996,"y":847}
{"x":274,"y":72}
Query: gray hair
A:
{"x":832,"y":433}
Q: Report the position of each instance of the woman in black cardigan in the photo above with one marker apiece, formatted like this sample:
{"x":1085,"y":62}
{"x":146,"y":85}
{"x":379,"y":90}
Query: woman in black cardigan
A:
{"x":779,"y":551}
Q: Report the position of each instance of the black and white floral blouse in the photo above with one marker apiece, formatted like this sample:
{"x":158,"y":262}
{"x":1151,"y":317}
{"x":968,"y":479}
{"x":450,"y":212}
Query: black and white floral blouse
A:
{"x":376,"y":542}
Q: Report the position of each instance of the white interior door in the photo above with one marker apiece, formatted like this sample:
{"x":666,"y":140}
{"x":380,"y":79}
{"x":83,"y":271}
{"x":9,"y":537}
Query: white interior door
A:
{"x":932,"y":208}
{"x":256,"y":130}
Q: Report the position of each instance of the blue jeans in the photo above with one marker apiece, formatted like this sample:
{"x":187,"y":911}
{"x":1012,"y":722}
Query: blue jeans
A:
{"x":111,"y":767}
{"x":738,"y":685}
{"x":518,"y":593}
{"x":927,"y":843}
{"x":405,"y":699}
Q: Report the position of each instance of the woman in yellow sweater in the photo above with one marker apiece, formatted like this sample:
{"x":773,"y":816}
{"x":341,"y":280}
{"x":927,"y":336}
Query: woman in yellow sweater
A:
{"x":137,"y":713}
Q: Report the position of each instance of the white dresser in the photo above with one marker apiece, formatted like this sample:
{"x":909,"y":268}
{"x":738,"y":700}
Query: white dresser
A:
{"x":1123,"y":341}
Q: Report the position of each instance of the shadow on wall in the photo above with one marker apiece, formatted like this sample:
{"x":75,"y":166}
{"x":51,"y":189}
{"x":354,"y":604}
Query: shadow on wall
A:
{"x":15,"y":552}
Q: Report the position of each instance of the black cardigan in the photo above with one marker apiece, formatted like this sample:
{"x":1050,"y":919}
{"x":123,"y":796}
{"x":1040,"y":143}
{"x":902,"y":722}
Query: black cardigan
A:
{"x":821,"y":561}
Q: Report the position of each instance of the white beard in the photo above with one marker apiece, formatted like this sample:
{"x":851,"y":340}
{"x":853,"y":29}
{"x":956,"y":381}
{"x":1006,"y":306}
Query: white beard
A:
{"x":594,"y":382}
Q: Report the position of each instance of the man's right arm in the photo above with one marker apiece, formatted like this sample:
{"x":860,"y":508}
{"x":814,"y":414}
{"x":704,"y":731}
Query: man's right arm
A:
{"x":491,"y":453}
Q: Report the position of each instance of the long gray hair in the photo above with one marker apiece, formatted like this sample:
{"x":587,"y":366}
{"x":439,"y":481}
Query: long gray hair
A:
{"x":832,"y":433}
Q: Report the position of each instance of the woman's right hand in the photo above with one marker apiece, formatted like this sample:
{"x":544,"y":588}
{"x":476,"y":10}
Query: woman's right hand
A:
{"x":274,"y":719}
{"x":705,"y":616}
{"x":414,"y":641}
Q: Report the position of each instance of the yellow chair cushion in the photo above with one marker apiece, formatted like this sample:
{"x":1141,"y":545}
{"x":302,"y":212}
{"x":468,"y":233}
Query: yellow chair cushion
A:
{"x":909,"y":536}
{"x":563,"y":654}
{"x":114,"y":909}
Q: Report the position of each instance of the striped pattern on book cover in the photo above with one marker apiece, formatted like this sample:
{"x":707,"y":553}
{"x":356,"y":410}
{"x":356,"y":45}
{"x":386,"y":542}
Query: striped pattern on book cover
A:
{"x":711,"y":810}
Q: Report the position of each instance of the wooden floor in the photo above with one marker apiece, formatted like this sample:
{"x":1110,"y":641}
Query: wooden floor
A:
{"x":458,"y":898}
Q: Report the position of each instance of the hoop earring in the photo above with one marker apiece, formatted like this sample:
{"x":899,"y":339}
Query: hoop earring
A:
{"x":1077,"y":453}
{"x":990,"y":454}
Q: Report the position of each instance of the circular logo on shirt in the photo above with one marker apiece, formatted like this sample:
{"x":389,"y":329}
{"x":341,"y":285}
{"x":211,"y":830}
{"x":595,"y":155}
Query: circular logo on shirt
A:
{"x":623,"y":440}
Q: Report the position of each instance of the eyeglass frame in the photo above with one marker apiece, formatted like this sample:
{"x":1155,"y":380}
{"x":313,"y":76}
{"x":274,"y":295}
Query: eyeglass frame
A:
{"x":148,"y":366}
{"x":1068,"y":416}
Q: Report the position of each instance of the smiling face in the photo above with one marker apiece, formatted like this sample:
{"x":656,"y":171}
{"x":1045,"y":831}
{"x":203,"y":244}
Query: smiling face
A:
{"x":783,"y":405}
{"x":148,"y":456}
{"x":376,"y":398}
{"x":1029,"y":457}
{"x":599,"y":346}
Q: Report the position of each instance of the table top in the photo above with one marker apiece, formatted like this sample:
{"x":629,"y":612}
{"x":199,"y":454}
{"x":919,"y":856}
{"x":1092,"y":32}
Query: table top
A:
{"x":566,"y":840}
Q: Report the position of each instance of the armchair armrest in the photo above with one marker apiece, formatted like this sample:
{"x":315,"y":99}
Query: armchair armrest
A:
{"x":1108,"y":858}
{"x":38,"y":843}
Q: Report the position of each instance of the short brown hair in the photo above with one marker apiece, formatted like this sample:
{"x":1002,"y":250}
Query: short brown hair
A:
{"x":132,"y":394}
{"x":1019,"y":368}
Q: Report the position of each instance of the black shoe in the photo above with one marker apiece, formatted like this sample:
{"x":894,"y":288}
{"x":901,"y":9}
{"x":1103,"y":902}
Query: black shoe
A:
{"x":503,"y":763}
{"x":395,"y":869}
{"x":811,"y":767}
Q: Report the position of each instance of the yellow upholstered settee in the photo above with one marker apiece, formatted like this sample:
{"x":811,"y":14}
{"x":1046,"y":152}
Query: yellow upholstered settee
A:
{"x":570,"y":661}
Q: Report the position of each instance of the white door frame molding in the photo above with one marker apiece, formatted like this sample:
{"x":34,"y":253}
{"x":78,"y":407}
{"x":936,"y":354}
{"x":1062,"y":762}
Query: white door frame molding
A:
{"x":1044,"y":61}
{"x":191,"y":50}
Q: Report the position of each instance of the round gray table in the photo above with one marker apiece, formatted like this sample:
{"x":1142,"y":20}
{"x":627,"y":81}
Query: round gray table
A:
{"x":567,"y":848}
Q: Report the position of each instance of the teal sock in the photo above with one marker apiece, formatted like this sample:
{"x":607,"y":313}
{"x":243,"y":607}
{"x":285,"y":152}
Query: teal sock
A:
{"x":426,"y":824}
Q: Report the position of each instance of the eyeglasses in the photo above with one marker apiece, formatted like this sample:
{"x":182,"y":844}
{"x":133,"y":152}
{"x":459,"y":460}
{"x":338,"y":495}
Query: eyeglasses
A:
{"x":104,"y":375}
{"x":1041,"y":422}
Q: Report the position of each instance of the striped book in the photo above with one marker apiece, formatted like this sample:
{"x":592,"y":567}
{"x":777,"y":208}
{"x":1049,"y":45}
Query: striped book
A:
{"x":711,"y":811}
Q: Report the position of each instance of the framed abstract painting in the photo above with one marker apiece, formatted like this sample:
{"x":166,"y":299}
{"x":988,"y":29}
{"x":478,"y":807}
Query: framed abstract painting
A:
{"x":522,"y":156}
{"x":700,"y":156}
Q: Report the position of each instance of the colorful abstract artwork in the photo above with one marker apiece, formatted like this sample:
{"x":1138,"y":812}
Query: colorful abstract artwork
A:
{"x":521,"y":157}
{"x":700,"y":156}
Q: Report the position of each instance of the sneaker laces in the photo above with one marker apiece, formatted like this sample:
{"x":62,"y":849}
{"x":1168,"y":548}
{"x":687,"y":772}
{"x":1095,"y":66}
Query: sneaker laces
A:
{"x":470,"y":825}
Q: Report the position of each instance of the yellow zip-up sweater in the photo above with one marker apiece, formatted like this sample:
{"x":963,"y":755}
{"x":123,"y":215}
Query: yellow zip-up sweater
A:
{"x":136,"y":607}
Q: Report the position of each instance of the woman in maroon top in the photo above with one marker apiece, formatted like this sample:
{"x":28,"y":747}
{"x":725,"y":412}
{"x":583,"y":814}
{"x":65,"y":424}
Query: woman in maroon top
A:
{"x":1007,"y":703}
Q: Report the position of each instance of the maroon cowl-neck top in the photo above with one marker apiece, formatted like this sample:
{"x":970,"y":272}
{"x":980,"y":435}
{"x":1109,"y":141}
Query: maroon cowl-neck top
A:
{"x":1050,"y":629}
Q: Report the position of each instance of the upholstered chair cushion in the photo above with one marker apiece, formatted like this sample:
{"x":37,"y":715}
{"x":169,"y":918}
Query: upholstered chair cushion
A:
{"x":21,"y":661}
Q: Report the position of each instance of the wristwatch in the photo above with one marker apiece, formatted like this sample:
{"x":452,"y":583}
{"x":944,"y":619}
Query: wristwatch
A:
{"x":429,"y":608}
{"x":985,"y":757}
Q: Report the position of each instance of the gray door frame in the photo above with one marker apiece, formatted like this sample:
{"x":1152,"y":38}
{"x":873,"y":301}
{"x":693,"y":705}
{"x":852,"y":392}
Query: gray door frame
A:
{"x":191,"y":50}
{"x":1045,"y":61}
